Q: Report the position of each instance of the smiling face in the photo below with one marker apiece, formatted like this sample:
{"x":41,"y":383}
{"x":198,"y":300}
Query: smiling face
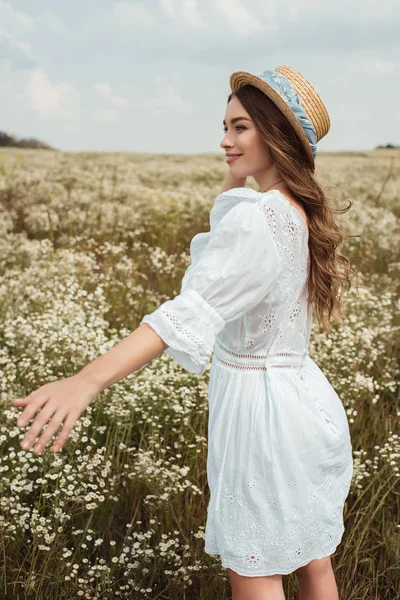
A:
{"x":242,"y":137}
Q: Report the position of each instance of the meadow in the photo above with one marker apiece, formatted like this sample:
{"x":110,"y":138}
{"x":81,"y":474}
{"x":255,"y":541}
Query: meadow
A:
{"x":89,"y":243}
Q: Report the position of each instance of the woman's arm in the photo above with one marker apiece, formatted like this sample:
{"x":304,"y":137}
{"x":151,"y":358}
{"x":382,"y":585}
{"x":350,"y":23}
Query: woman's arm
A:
{"x":232,"y":182}
{"x":130,"y":355}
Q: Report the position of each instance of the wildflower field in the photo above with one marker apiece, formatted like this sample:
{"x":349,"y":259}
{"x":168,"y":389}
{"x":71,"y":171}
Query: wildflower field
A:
{"x":89,"y":243}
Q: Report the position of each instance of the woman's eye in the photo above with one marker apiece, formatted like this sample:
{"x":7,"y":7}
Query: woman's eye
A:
{"x":226,"y":129}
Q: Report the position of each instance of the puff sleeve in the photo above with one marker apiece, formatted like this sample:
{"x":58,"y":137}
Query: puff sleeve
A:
{"x":235,"y":271}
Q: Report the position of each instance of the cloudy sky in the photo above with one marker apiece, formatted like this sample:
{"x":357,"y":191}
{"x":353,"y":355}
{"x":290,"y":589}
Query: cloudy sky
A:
{"x":153,"y":75}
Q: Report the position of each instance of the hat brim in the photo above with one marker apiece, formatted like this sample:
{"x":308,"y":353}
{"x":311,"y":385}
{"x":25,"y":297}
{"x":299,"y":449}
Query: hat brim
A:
{"x":240,"y":78}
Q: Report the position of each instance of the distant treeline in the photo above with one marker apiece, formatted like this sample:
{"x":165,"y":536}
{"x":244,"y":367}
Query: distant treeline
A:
{"x":12,"y":141}
{"x":387,"y":146}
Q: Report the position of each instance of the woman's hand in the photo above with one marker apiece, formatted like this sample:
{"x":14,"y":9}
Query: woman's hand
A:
{"x":61,"y":401}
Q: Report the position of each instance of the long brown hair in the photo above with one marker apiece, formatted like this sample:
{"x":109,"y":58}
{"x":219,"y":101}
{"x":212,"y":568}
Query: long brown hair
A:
{"x":329,"y":270}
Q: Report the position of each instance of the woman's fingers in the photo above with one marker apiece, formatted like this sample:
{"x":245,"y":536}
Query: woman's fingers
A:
{"x":41,"y":419}
{"x":51,"y":429}
{"x":34,"y":402}
{"x":20,"y":401}
{"x":69,"y":423}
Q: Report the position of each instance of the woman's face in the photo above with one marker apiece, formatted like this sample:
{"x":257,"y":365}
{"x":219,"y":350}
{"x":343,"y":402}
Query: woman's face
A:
{"x":242,"y":137}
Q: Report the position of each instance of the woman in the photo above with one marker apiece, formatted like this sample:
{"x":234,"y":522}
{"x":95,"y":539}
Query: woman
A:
{"x":279,"y":460}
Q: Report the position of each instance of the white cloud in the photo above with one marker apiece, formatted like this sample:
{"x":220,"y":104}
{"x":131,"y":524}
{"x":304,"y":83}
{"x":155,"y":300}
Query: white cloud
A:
{"x":372,"y":66}
{"x":224,"y":16}
{"x":104,"y":90}
{"x":240,"y":18}
{"x":105,"y":115}
{"x":127,"y":13}
{"x":171,"y":76}
{"x":185,"y":11}
{"x":138,"y":14}
{"x":15,"y":20}
{"x":178,"y":28}
{"x":17,"y":53}
{"x":169,"y":99}
{"x":51,"y":100}
{"x":53,"y":23}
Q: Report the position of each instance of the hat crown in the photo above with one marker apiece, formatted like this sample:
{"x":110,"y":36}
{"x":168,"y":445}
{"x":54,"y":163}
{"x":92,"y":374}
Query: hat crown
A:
{"x":310,"y":100}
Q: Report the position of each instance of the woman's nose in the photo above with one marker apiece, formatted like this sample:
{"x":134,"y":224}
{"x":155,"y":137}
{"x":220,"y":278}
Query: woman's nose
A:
{"x":225,"y":141}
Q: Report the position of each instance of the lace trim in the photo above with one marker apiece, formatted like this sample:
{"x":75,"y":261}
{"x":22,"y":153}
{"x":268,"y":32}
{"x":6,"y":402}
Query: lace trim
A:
{"x":179,"y":327}
{"x":254,"y":572}
{"x":270,"y":360}
{"x":254,"y":367}
{"x":259,"y":355}
{"x":259,"y":548}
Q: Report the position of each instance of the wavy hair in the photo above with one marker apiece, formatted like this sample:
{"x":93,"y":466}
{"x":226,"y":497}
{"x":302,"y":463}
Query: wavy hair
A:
{"x":329,"y":270}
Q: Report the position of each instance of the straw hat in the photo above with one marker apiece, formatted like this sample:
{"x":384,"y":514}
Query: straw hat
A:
{"x":294,"y":95}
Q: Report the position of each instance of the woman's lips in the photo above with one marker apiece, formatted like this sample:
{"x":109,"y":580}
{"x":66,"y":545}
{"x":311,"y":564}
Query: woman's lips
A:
{"x":232,"y":158}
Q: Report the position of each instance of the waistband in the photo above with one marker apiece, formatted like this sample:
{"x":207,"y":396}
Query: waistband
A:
{"x":256,"y":362}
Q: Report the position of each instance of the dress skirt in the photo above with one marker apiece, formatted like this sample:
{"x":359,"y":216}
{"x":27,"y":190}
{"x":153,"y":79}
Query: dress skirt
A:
{"x":279,"y":463}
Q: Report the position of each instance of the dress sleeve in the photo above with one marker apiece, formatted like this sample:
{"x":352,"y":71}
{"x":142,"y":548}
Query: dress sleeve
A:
{"x":236,"y":270}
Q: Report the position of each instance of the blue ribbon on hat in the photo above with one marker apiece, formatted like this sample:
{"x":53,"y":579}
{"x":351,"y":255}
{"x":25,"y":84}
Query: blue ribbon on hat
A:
{"x":282,"y":85}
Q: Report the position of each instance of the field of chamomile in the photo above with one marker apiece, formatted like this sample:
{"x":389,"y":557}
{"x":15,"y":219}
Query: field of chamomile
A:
{"x":89,"y":243}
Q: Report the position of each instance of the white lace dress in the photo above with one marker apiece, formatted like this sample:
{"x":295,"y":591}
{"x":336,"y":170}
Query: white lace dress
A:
{"x":279,"y":462}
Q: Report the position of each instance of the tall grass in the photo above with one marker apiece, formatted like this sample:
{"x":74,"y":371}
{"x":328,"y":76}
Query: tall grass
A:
{"x":89,"y":243}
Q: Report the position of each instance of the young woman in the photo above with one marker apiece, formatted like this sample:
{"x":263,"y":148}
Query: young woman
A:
{"x":279,"y":450}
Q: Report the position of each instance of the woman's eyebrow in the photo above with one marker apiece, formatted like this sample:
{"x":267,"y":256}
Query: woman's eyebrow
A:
{"x":237,"y":119}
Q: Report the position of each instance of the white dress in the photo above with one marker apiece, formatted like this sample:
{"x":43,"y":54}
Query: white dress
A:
{"x":279,"y":462}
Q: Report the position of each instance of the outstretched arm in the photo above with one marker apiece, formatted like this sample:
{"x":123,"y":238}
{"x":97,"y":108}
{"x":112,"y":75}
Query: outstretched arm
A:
{"x":130,"y":355}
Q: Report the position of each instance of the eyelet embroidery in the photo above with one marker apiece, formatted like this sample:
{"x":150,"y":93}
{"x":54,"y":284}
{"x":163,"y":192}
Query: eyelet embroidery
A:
{"x":252,"y":557}
{"x":252,"y":561}
{"x":269,"y":321}
{"x":285,"y":252}
{"x":233,"y":497}
{"x":285,"y":353}
{"x":269,"y":214}
{"x":254,"y":367}
{"x":178,"y":325}
{"x":249,"y":344}
{"x":296,"y":311}
{"x":295,"y":360}
{"x":290,"y":228}
{"x":294,"y":269}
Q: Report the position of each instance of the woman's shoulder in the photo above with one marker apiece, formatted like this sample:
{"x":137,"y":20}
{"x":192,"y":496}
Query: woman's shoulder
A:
{"x":232,"y":203}
{"x":241,"y":192}
{"x":249,"y":195}
{"x":243,"y":196}
{"x":272,"y":198}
